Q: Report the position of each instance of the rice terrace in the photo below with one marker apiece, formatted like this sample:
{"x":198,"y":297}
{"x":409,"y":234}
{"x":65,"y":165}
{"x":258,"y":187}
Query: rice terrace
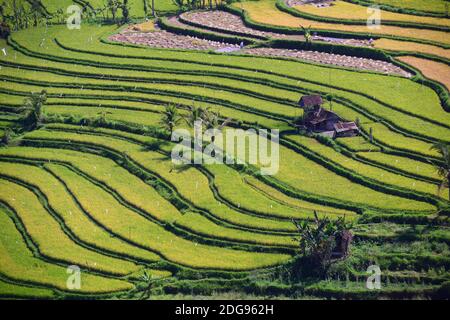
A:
{"x":252,"y":149}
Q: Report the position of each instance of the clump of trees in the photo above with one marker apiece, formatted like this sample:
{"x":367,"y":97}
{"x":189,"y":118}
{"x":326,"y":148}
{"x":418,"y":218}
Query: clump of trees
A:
{"x":321,"y":243}
{"x":198,"y":4}
{"x":32,"y":114}
{"x":6,"y":137}
{"x":5,"y":31}
{"x":21,"y":14}
{"x":115,"y":11}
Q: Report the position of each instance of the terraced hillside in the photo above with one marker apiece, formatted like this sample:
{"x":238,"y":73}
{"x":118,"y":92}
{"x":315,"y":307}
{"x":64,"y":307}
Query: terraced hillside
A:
{"x":91,"y":182}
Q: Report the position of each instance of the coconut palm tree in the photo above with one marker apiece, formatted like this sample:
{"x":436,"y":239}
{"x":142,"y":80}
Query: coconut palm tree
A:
{"x":443,"y":166}
{"x":323,"y":241}
{"x":36,"y":11}
{"x":125,"y":11}
{"x":212,"y":121}
{"x":307,"y":34}
{"x":171,"y":118}
{"x":113,"y":6}
{"x":32,"y":108}
{"x":194,"y":114}
{"x":2,"y":12}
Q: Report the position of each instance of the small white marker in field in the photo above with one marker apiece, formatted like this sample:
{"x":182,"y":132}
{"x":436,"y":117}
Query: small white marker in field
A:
{"x":4,"y":51}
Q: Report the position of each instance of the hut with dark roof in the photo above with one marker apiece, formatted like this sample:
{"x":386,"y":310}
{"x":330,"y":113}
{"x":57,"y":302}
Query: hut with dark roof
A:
{"x":326,"y":122}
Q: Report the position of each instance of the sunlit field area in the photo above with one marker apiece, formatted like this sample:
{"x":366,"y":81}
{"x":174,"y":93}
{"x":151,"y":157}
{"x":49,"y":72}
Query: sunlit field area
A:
{"x":264,"y":149}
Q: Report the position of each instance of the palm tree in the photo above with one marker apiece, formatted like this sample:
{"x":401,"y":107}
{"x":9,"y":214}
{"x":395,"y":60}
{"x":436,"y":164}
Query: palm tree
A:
{"x":179,"y":4}
{"x":212,"y":121}
{"x":36,"y":11}
{"x":125,"y":11}
{"x":33,"y":109}
{"x":307,"y":34}
{"x":171,"y":118}
{"x":16,"y":10}
{"x":195,"y":114}
{"x":323,"y":241}
{"x":113,"y":6}
{"x":2,"y":12}
{"x":443,"y":166}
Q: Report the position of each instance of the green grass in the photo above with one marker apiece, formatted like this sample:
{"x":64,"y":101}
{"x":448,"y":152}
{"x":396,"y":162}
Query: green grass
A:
{"x":51,"y":239}
{"x":406,"y":164}
{"x":384,"y":88}
{"x":137,"y":117}
{"x":294,"y":203}
{"x":208,"y":61}
{"x":113,"y":212}
{"x":75,"y":219}
{"x":191,"y":184}
{"x":108,"y":212}
{"x":53,"y":5}
{"x":201,"y":225}
{"x":194,"y":91}
{"x":306,"y":175}
{"x":19,"y":264}
{"x":397,"y":91}
{"x":108,"y":172}
{"x":383,"y":176}
{"x":383,"y":134}
{"x":10,"y":290}
{"x":243,"y":195}
{"x":342,"y":10}
{"x":358,"y":143}
{"x":137,"y":7}
{"x":438,"y":6}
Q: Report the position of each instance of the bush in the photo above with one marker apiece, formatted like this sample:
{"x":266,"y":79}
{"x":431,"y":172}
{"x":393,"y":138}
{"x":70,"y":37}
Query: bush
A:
{"x":5,"y":31}
{"x":6,"y":138}
{"x":321,"y":244}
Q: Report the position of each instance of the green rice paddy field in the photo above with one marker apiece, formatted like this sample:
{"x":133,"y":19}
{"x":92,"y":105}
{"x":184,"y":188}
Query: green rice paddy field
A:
{"x":94,"y":185}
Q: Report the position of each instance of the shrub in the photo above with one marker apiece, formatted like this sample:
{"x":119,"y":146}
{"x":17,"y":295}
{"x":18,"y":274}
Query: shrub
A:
{"x":5,"y":31}
{"x":6,"y":138}
{"x":321,"y":244}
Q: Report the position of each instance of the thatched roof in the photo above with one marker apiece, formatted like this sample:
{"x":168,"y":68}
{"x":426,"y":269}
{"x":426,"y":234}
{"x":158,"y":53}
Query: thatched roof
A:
{"x":310,"y":101}
{"x":345,"y":126}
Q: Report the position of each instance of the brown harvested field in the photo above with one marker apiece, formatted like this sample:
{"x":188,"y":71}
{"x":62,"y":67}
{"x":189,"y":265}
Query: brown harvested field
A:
{"x":430,"y":69}
{"x":396,"y":45}
{"x":266,"y":12}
